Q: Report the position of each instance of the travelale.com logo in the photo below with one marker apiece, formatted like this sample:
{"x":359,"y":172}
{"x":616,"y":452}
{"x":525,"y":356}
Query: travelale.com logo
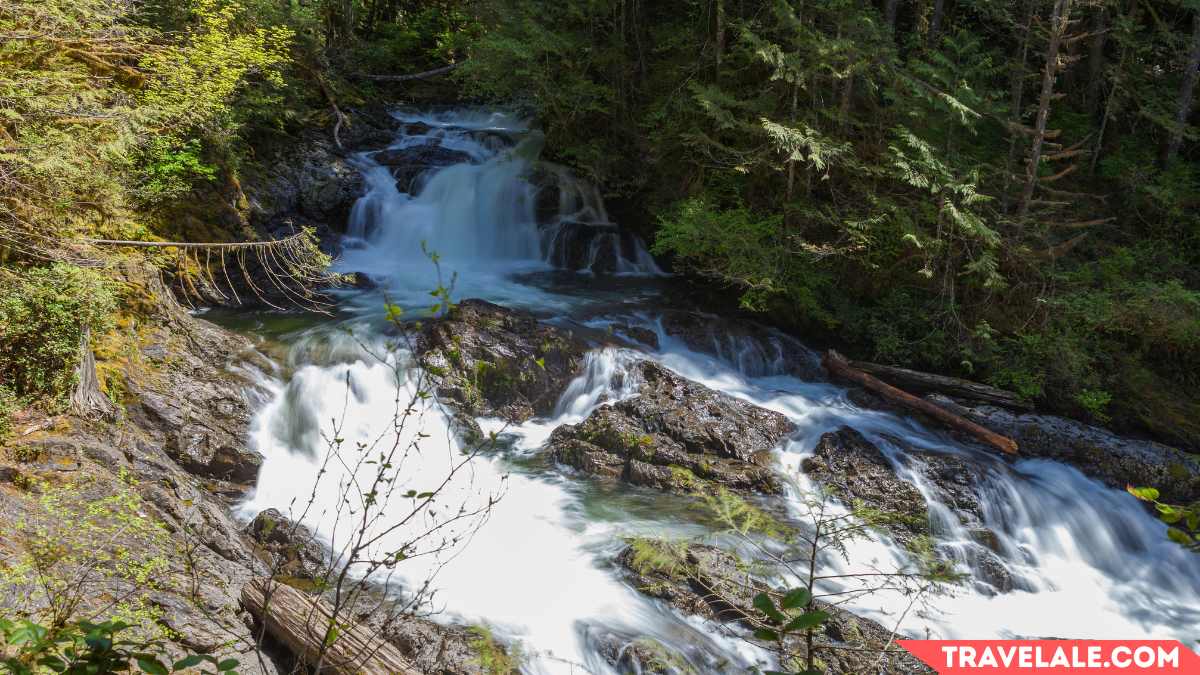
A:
{"x":948,"y":657}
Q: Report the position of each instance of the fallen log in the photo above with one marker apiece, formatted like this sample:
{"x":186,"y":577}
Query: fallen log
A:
{"x":929,"y":383}
{"x":411,"y":76}
{"x":303,"y":624}
{"x":838,"y":366}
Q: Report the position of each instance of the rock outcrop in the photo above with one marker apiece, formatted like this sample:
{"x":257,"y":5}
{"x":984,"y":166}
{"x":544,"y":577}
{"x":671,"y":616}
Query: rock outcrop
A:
{"x":407,"y":164}
{"x":295,"y":552}
{"x":710,"y":583}
{"x":488,"y":360}
{"x":756,"y":350}
{"x":858,"y":472}
{"x":1097,"y":452}
{"x":675,"y":434}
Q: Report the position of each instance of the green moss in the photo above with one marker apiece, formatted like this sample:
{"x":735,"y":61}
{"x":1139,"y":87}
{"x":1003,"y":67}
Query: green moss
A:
{"x":658,"y":557}
{"x":493,"y":658}
{"x":683,"y":478}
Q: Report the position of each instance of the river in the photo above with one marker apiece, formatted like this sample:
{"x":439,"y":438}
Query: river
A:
{"x":1087,"y":561}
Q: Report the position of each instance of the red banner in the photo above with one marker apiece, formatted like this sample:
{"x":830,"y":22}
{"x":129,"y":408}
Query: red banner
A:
{"x":1160,"y":657}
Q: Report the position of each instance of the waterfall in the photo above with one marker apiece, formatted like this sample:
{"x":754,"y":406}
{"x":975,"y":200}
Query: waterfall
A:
{"x":538,"y":572}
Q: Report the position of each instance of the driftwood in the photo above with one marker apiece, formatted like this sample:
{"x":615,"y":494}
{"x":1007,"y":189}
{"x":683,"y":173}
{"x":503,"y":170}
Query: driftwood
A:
{"x":412,"y":76}
{"x":87,"y":400}
{"x":302,"y":622}
{"x":837,"y":365}
{"x":926,"y":383}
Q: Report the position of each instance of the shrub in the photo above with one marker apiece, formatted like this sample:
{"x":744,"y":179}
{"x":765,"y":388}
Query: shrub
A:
{"x":43,"y":315}
{"x":8,"y":406}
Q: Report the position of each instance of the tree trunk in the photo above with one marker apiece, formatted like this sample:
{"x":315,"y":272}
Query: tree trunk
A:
{"x":719,"y":33}
{"x":935,"y":22}
{"x":890,"y":10}
{"x":837,"y":365}
{"x":1059,"y":17}
{"x":1017,"y":99}
{"x":1187,"y":92}
{"x":87,"y":400}
{"x":1096,"y":57}
{"x":302,"y":623}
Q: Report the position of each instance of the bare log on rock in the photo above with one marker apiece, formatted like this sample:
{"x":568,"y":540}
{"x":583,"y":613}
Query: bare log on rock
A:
{"x":929,"y":383}
{"x":412,"y":76}
{"x":837,"y":365}
{"x":305,"y":625}
{"x":87,"y":400}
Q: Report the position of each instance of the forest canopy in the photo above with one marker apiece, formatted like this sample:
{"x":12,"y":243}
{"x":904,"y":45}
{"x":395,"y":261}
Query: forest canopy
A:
{"x":1001,"y":190}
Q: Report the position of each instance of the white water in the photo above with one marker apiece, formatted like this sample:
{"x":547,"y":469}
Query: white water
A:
{"x":538,"y":571}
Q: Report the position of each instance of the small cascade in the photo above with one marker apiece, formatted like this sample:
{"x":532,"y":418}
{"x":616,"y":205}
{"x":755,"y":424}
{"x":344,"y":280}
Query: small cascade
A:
{"x":1048,"y":551}
{"x":470,"y":188}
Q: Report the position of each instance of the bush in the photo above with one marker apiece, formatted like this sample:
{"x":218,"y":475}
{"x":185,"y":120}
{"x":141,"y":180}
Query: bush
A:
{"x":8,"y":406}
{"x":43,"y":315}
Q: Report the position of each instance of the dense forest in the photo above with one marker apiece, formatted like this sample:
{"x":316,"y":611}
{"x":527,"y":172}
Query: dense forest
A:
{"x":1004,"y":191}
{"x":991,"y":189}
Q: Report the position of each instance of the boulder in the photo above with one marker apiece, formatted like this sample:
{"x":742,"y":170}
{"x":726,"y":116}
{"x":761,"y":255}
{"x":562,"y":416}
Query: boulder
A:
{"x":677,"y":435}
{"x":705,"y":581}
{"x":294,"y":550}
{"x":858,"y":471}
{"x":408,"y":163}
{"x":488,"y":360}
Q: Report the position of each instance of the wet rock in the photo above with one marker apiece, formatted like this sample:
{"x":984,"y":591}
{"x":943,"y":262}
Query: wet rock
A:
{"x":710,"y":583}
{"x":756,"y":350}
{"x":1096,"y":452}
{"x":294,"y":550}
{"x":857,"y":470}
{"x":594,"y":247}
{"x":629,"y":653}
{"x":639,"y":334}
{"x":407,"y":164}
{"x":488,"y":360}
{"x":675,"y":435}
{"x":441,"y":649}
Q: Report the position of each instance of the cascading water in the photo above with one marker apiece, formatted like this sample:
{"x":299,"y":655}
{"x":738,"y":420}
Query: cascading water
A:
{"x":538,"y":571}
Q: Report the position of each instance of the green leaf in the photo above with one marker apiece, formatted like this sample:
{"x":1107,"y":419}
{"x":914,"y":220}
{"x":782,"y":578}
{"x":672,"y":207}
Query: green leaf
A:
{"x":796,"y":598}
{"x":764,"y":604}
{"x":1146,"y":494}
{"x":188,"y":662}
{"x":330,"y":638}
{"x":151,"y":665}
{"x":766,"y":634}
{"x":805,"y":621}
{"x":227,"y":664}
{"x":1179,"y":536}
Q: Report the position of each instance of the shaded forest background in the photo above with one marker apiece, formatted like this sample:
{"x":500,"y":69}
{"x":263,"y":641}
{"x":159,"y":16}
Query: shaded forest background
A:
{"x":1003,"y":190}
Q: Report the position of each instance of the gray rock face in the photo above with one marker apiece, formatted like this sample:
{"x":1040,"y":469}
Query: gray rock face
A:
{"x":707,"y":582}
{"x":198,"y":411}
{"x":675,"y":435}
{"x":489,"y":360}
{"x":1096,"y":452}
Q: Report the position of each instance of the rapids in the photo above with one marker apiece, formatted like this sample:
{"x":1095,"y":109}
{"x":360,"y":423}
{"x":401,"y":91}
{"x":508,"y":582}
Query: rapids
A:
{"x":1086,"y":559}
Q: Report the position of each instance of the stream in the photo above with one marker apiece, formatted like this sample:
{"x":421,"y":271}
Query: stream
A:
{"x":1086,"y":560}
